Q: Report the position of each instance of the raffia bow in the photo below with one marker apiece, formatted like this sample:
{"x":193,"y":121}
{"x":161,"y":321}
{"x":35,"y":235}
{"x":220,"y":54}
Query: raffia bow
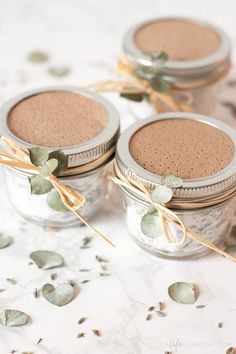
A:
{"x":161,"y":101}
{"x":167,"y":216}
{"x":72,"y":199}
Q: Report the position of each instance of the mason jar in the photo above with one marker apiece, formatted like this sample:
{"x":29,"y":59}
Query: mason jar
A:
{"x":63,"y":112}
{"x":197,"y":64}
{"x":200,"y":150}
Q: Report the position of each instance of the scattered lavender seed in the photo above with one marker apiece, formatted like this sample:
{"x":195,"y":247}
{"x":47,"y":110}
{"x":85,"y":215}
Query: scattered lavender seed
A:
{"x":82,"y":320}
{"x":96,"y":332}
{"x":104,"y":274}
{"x":220,"y":324}
{"x":160,"y":314}
{"x":101,"y":259}
{"x":36,"y":293}
{"x":151,"y":308}
{"x":53,"y":276}
{"x":162,"y":306}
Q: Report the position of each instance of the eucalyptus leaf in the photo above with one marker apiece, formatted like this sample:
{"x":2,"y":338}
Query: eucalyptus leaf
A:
{"x":161,"y":194}
{"x":136,"y":97}
{"x":49,"y":167}
{"x":38,"y":156}
{"x":12,"y":318}
{"x":151,"y":225}
{"x":59,"y":296}
{"x":152,"y":209}
{"x":143,"y":73}
{"x":5,"y":241}
{"x":37,"y":57}
{"x":160,"y":84}
{"x":39,"y":185}
{"x":231,"y":250}
{"x":161,"y":56}
{"x":54,"y":201}
{"x":183,"y":293}
{"x":61,"y":71}
{"x":172,"y":181}
{"x":62,"y":160}
{"x":47,"y":259}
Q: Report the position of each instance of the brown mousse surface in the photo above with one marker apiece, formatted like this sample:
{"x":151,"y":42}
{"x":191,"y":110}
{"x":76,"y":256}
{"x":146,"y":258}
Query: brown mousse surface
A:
{"x":181,"y":147}
{"x":57,"y":119}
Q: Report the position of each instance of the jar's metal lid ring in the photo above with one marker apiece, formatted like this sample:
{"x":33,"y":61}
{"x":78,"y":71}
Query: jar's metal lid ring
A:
{"x":191,"y":187}
{"x":186,"y":67}
{"x":80,"y":154}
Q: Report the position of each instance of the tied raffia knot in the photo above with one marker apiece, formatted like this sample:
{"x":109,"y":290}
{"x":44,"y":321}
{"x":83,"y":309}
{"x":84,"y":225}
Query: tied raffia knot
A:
{"x":167,"y":216}
{"x":161,"y":101}
{"x":19,"y":158}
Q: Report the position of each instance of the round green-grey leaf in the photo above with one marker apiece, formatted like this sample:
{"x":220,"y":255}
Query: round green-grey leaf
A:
{"x":54,"y":201}
{"x":183,"y":292}
{"x":62,"y":160}
{"x":37,"y":57}
{"x":172,"y":181}
{"x":39,"y":185}
{"x":151,"y":225}
{"x":161,"y":194}
{"x":60,"y":71}
{"x":5,"y":241}
{"x":49,"y":167}
{"x":38,"y":156}
{"x":59,"y":296}
{"x":47,"y":259}
{"x":12,"y":318}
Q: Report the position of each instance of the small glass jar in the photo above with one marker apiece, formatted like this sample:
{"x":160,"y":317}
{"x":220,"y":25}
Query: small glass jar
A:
{"x":205,"y":203}
{"x":198,"y":60}
{"x":87,"y":163}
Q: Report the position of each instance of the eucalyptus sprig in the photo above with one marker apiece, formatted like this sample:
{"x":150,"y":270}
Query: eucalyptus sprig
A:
{"x":152,"y":74}
{"x":53,"y":163}
{"x":151,"y":224}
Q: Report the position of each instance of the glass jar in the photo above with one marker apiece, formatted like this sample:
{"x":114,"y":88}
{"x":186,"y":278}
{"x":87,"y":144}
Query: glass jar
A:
{"x":205,"y":204}
{"x":86,"y":172}
{"x":195,"y":76}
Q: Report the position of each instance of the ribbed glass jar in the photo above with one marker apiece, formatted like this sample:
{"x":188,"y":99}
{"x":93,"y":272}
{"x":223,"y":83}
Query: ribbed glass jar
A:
{"x":196,"y":79}
{"x":205,"y":204}
{"x":87,"y":166}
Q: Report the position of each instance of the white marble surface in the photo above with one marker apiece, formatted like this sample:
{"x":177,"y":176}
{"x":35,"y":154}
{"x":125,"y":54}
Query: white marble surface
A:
{"x":86,"y":36}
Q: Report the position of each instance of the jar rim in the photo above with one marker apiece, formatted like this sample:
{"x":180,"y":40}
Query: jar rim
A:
{"x":184,"y":68}
{"x":217,"y":183}
{"x":77,"y":154}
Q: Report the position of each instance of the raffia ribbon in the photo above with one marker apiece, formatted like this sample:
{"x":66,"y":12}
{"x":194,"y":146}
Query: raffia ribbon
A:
{"x":161,"y":101}
{"x":167,"y":216}
{"x":72,"y":199}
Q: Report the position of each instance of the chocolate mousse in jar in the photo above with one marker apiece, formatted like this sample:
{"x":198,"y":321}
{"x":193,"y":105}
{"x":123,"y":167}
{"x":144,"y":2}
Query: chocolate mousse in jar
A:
{"x":78,"y":122}
{"x":199,"y":150}
{"x":192,"y":70}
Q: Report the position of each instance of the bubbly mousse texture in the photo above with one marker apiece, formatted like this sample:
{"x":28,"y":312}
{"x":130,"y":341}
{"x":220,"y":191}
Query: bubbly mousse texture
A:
{"x":57,"y":119}
{"x":180,"y":39}
{"x":182,"y":147}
